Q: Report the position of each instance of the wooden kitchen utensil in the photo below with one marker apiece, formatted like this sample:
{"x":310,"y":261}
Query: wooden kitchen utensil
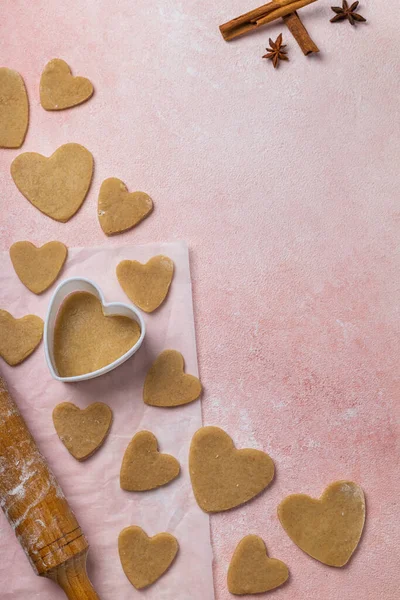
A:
{"x":36,"y":508}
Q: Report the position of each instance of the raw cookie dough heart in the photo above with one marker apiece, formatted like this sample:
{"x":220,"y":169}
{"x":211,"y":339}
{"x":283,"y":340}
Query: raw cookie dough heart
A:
{"x":57,"y":185}
{"x":145,"y":559}
{"x":14,"y":109}
{"x":82,"y":431}
{"x":143,"y":467}
{"x":19,"y":337}
{"x":59,"y":89}
{"x":119,"y":210}
{"x":328,"y":528}
{"x":146,"y":285}
{"x":251,"y":571}
{"x":86,"y":340}
{"x":222,"y":476}
{"x":167,"y":384}
{"x":38,"y":268}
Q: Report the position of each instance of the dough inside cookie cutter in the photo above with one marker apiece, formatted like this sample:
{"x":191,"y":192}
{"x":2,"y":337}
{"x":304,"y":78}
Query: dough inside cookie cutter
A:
{"x":81,"y":284}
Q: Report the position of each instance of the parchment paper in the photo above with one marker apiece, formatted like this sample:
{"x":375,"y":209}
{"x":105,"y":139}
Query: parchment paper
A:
{"x":92,"y":487}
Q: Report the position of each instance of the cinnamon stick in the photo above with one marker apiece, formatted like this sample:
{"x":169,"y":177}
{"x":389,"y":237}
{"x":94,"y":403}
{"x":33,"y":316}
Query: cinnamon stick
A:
{"x":300,"y":33}
{"x":260,"y":16}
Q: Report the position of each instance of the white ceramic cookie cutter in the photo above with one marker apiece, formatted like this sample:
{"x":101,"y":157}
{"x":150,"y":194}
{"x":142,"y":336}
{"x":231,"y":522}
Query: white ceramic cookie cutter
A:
{"x":81,"y":284}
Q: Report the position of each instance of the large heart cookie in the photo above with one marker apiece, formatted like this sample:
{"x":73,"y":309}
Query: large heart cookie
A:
{"x":86,"y":340}
{"x":38,"y":268}
{"x":57,"y":185}
{"x":143,"y":467}
{"x":146,"y":285}
{"x":328,"y":528}
{"x":145,"y":559}
{"x":19,"y":337}
{"x":251,"y":571}
{"x":14,"y":109}
{"x":167,"y":384}
{"x":82,"y":431}
{"x":222,"y":476}
{"x":59,"y":89}
{"x":119,"y":210}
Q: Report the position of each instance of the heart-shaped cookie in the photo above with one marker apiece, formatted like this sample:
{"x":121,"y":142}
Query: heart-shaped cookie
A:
{"x":57,"y":185}
{"x":86,"y":340}
{"x":82,"y":431}
{"x":19,"y":337}
{"x":14,"y":109}
{"x":167,"y":384}
{"x":251,"y":571}
{"x":145,"y":559}
{"x":143,"y":467}
{"x":119,"y":210}
{"x":38,"y":268}
{"x":146,"y":285}
{"x":328,"y":528}
{"x":59,"y":89}
{"x":222,"y":476}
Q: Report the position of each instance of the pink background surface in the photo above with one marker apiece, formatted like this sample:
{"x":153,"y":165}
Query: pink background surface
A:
{"x":284,"y":183}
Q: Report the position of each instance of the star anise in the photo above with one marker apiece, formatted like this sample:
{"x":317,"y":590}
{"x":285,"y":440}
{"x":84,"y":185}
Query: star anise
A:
{"x":347,"y":12}
{"x":276,"y":52}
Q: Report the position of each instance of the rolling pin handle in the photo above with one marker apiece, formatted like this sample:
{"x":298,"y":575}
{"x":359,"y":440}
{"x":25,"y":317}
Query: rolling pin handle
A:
{"x":72,"y":577}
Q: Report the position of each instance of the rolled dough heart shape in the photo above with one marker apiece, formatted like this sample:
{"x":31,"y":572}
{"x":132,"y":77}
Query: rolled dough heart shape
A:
{"x":144,"y":467}
{"x":222,"y":476}
{"x":146,"y":285}
{"x":328,"y":528}
{"x":14,"y":109}
{"x":38,"y":268}
{"x":119,"y":210}
{"x":59,"y":89}
{"x":19,"y":337}
{"x":251,"y":571}
{"x":82,"y":431}
{"x":145,"y":559}
{"x":57,"y":185}
{"x":167,"y":384}
{"x":86,"y":340}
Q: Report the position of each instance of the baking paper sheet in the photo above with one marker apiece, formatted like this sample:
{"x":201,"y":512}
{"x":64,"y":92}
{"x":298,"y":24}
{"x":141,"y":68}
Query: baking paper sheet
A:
{"x":92,"y":487}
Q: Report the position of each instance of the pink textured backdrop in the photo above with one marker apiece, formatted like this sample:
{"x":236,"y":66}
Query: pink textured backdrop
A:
{"x":285,"y":185}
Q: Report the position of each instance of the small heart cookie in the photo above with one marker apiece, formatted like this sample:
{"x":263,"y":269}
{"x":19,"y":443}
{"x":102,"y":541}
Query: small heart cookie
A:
{"x":143,"y":467}
{"x":85,"y":339}
{"x":251,"y":571}
{"x":19,"y":337}
{"x":59,"y":89}
{"x":145,"y":559}
{"x":328,"y":528}
{"x":38,"y":268}
{"x":146,"y":285}
{"x":57,"y":185}
{"x":222,"y":476}
{"x":14,"y":109}
{"x":119,"y":210}
{"x":82,"y":431}
{"x":167,"y":384}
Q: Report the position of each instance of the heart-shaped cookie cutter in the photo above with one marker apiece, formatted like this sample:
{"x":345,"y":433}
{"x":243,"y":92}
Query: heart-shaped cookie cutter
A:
{"x":81,"y":284}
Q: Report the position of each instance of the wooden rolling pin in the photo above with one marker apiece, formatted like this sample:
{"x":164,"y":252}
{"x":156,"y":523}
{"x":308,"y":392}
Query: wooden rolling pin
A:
{"x":36,"y":508}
